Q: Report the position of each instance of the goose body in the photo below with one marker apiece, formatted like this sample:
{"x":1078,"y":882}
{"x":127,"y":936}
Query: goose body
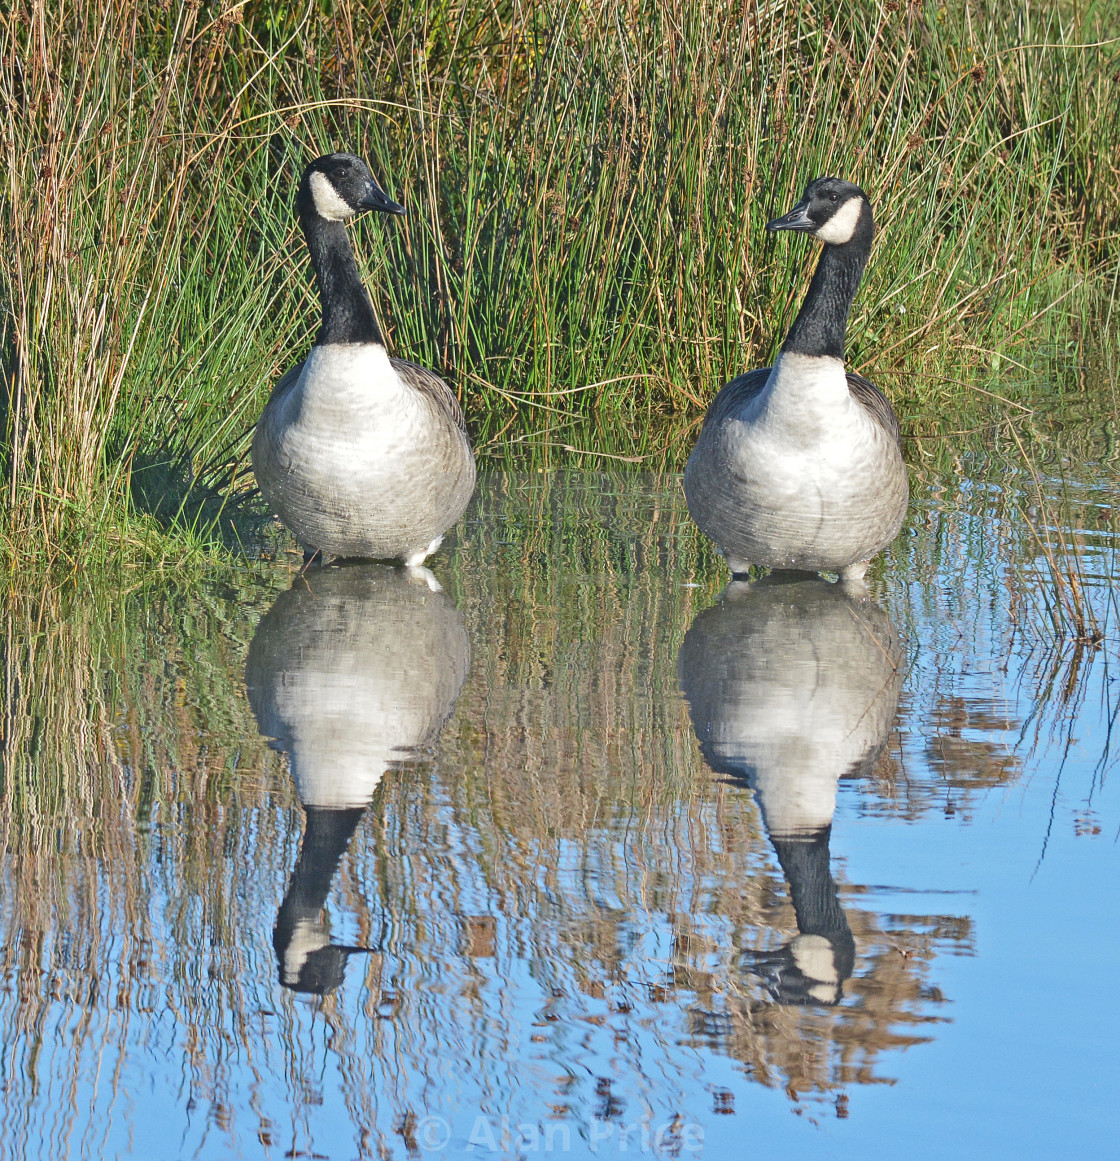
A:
{"x":793,"y":684}
{"x":359,"y":454}
{"x":350,"y":674}
{"x":799,"y":466}
{"x":353,"y":672}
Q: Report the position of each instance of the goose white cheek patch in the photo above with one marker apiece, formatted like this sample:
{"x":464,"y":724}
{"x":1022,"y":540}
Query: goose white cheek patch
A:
{"x":842,"y":225}
{"x":328,"y":203}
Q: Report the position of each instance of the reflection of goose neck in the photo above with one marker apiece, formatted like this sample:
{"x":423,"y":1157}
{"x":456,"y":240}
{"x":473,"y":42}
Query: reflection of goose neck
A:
{"x":307,"y":960}
{"x":812,"y":967}
{"x":805,"y":864}
{"x":325,"y":838}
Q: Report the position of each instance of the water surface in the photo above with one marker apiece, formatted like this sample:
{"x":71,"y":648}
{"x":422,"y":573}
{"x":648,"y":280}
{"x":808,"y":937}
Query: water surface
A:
{"x":577,"y":852}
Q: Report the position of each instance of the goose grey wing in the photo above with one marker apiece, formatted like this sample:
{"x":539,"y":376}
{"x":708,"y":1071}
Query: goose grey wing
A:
{"x":737,"y":392}
{"x":873,"y":401}
{"x":430,"y":384}
{"x":285,"y":382}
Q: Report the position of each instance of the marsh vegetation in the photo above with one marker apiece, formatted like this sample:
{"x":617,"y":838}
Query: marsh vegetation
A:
{"x":586,"y":185}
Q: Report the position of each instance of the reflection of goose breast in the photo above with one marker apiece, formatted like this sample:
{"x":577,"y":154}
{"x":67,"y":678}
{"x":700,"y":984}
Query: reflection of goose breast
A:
{"x":351,"y":669}
{"x":790,"y":685}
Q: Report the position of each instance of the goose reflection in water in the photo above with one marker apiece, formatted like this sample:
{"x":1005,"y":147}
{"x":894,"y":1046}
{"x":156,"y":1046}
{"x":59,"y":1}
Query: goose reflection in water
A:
{"x":793,"y":683}
{"x":353,"y":669}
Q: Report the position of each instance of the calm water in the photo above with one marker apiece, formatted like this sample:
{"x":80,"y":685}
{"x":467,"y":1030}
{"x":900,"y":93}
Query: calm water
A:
{"x":578,"y":855}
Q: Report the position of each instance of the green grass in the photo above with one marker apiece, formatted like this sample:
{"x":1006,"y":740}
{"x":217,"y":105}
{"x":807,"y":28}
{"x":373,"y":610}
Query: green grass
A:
{"x":587,"y":186}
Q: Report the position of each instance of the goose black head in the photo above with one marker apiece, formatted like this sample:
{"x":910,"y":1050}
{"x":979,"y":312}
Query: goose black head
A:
{"x":318,"y":971}
{"x":338,"y":186}
{"x":830,"y":210}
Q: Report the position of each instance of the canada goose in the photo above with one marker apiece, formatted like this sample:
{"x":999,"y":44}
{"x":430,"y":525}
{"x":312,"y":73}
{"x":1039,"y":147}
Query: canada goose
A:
{"x":799,"y":466}
{"x":793,"y":684}
{"x":359,"y":454}
{"x":350,"y":675}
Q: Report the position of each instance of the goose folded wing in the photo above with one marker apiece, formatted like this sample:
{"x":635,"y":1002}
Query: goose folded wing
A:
{"x":430,"y":384}
{"x":873,"y":401}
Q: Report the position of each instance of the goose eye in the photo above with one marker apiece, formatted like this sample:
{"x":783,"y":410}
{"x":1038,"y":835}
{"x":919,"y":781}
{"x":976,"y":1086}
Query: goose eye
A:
{"x":832,"y":197}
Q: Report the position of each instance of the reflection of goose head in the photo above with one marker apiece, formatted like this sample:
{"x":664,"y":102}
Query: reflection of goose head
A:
{"x":353,"y":669}
{"x":793,"y":683}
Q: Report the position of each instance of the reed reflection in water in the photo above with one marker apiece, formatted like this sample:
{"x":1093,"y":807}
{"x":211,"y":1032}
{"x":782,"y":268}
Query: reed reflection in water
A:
{"x":792,"y":684}
{"x":353,"y":669}
{"x":576,"y":924}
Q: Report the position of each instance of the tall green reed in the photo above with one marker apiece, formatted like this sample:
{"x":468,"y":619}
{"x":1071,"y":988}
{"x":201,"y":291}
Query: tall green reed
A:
{"x":136,"y":304}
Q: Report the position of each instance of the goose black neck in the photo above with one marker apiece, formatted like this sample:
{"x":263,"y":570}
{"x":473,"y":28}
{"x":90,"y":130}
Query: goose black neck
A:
{"x":320,"y":969}
{"x":822,"y":321}
{"x":326,"y":836}
{"x":805,"y":864}
{"x":347,"y":310}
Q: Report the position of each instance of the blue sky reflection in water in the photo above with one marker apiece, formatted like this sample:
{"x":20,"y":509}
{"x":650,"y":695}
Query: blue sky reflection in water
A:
{"x":553,"y":927}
